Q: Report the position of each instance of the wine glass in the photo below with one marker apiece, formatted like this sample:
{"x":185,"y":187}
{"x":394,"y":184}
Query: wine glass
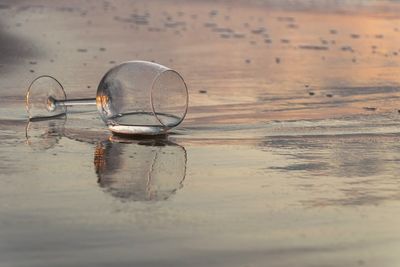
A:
{"x":135,"y":97}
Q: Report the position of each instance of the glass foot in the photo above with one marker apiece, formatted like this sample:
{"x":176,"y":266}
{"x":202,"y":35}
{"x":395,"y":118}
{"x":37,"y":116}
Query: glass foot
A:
{"x":42,"y":93}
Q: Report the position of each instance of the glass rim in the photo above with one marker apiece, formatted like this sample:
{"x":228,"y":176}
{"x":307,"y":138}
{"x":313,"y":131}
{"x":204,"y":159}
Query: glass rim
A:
{"x":182,"y":117}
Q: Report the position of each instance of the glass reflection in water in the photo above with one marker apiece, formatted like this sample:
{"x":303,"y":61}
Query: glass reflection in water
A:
{"x":44,"y":134}
{"x":145,"y":170}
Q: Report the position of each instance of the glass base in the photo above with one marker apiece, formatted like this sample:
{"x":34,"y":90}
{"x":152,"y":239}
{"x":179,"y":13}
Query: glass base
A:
{"x":41,"y":95}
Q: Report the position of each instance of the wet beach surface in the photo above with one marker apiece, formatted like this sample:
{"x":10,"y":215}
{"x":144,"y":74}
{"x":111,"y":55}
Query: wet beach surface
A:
{"x":288,"y":156}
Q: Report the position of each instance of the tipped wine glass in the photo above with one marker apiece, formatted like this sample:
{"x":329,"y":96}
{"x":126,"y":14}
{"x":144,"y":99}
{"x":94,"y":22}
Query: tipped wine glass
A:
{"x":135,"y":97}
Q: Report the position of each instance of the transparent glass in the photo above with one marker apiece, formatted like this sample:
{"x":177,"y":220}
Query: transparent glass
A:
{"x":135,"y":97}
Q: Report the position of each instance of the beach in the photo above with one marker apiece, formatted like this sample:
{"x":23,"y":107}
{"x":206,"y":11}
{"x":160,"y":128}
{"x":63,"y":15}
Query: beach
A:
{"x":288,"y":155}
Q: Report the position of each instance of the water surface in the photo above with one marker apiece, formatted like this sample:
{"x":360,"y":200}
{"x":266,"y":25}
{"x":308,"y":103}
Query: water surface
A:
{"x":288,"y":156}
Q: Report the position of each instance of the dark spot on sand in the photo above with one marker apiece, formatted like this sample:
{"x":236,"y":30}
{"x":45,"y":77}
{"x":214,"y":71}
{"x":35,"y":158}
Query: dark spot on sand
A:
{"x":347,"y":48}
{"x":277,"y":60}
{"x":354,"y":36}
{"x":329,"y":95}
{"x":311,"y":93}
{"x":210,"y":25}
{"x":238,"y":35}
{"x":313,"y":47}
{"x":286,"y":19}
{"x":203,"y":91}
{"x":285,"y":41}
{"x":379,"y":36}
{"x":259,"y":30}
{"x":369,"y":108}
{"x":360,"y":262}
{"x":248,"y":61}
{"x":102,"y":49}
{"x":292,"y":26}
{"x":88,"y":86}
{"x":32,"y":71}
{"x":81,"y":50}
{"x":111,"y":62}
{"x":213,"y":13}
{"x":32,"y":62}
{"x":333,"y":31}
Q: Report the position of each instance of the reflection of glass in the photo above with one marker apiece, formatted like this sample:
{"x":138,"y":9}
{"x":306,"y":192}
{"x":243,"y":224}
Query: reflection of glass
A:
{"x":135,"y":97}
{"x":140,"y":170}
{"x":44,"y":134}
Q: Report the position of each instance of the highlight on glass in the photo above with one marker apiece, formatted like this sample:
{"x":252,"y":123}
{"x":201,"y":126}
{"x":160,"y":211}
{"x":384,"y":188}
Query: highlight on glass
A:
{"x":135,"y":97}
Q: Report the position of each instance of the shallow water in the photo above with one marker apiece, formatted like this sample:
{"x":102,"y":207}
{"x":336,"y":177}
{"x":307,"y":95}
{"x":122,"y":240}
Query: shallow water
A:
{"x":288,"y":156}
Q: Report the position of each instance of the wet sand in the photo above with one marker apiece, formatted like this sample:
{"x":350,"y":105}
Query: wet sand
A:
{"x":288,"y":156}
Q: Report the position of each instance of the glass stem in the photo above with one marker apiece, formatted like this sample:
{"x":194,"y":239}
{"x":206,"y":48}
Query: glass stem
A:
{"x":75,"y":102}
